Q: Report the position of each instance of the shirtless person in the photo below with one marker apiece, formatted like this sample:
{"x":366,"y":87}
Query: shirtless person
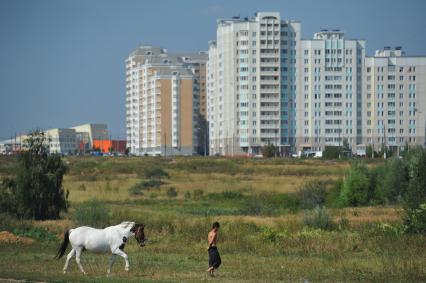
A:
{"x":214,"y":257}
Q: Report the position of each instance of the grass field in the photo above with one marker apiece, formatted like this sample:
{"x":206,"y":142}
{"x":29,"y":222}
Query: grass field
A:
{"x":262,"y":238}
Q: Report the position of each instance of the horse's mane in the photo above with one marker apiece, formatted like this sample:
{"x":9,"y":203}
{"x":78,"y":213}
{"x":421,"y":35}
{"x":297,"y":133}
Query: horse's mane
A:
{"x":126,"y":224}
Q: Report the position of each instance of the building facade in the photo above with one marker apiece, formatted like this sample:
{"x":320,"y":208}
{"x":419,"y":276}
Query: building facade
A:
{"x":266,"y":85}
{"x":251,"y":84}
{"x":61,"y":141}
{"x":394,"y":100}
{"x":86,"y":134}
{"x":330,"y":84}
{"x":162,"y":102}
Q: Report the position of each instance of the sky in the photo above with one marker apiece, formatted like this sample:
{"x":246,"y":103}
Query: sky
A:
{"x":62,"y":61}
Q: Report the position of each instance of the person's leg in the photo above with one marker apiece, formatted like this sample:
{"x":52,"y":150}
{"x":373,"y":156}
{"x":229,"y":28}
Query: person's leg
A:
{"x":218,"y":260}
{"x":211,"y":262}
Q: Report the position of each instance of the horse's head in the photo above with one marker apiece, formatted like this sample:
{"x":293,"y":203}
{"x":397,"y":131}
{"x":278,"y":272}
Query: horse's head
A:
{"x":138,"y":230}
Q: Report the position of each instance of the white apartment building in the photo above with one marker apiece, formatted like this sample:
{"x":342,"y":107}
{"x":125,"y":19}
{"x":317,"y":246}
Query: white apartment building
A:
{"x":394,"y":100}
{"x":162,"y":101}
{"x":329,"y":96}
{"x":251,"y":84}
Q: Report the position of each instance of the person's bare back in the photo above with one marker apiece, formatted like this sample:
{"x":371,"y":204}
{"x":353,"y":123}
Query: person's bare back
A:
{"x":214,"y":257}
{"x":212,"y":238}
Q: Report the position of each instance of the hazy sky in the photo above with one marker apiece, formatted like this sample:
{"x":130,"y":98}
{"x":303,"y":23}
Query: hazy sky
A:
{"x":62,"y":62}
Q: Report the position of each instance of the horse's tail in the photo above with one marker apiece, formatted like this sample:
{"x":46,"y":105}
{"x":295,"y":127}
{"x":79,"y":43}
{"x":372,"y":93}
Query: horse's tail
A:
{"x":64,"y":245}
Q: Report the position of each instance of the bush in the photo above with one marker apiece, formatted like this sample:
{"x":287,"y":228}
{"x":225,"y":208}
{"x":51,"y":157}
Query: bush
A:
{"x":171,"y":192}
{"x":145,"y":185}
{"x":415,"y":197}
{"x":35,"y":233}
{"x":187,"y":195}
{"x":92,"y":213}
{"x":392,"y":181}
{"x":318,"y":218}
{"x":225,"y":195}
{"x":312,"y":194}
{"x":331,"y":152}
{"x":269,"y":150}
{"x":416,"y":190}
{"x":36,"y":191}
{"x":266,"y":204}
{"x":333,"y":195}
{"x":356,"y":189}
{"x":155,"y":172}
{"x":198,"y":194}
{"x":415,"y":219}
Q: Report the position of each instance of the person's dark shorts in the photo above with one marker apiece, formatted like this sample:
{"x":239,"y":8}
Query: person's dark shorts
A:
{"x":214,"y":258}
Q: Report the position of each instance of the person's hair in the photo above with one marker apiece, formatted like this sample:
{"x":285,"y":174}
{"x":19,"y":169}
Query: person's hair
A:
{"x":215,"y":225}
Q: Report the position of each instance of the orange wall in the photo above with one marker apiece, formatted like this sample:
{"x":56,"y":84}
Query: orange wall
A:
{"x":105,"y":145}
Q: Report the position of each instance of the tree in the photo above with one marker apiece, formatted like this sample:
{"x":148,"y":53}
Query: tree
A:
{"x":394,"y":181}
{"x":38,"y":183}
{"x":269,"y":150}
{"x":356,"y":188}
{"x":331,"y":152}
{"x":415,"y":196}
{"x":346,"y":146}
{"x":369,"y":152}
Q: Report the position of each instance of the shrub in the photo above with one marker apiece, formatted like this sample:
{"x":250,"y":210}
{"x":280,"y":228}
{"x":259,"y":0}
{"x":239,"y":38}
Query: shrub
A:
{"x":92,"y":213}
{"x":392,"y":181}
{"x":171,"y":192}
{"x":415,"y":219}
{"x":226,"y":195}
{"x":37,"y":187}
{"x":415,"y":197}
{"x":265,"y":204}
{"x":82,"y":187}
{"x":318,"y":218}
{"x":333,"y":195}
{"x":356,"y":186}
{"x":145,"y":185}
{"x":269,"y":150}
{"x":35,"y":233}
{"x":331,"y":152}
{"x":312,"y":194}
{"x":155,"y":172}
{"x":7,"y":197}
{"x":380,"y":229}
{"x":187,"y":195}
{"x":198,"y":194}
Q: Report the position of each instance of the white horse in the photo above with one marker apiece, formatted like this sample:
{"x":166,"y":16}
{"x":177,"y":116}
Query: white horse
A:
{"x":111,"y":239}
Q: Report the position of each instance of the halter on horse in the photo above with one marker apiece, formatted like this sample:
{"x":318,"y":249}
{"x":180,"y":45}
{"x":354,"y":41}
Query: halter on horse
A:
{"x":110,"y":239}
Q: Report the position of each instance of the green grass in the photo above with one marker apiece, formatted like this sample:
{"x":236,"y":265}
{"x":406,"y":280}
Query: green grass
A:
{"x":262,"y":236}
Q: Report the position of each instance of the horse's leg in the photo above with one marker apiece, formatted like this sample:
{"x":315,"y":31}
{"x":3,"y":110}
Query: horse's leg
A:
{"x":69,"y":256}
{"x":111,"y":262}
{"x":77,"y":259}
{"x":126,"y":258}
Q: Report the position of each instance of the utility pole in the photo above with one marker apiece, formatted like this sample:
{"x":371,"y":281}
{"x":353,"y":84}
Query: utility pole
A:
{"x":205,"y":141}
{"x":384,"y":141}
{"x":165,"y":145}
{"x":339,"y":141}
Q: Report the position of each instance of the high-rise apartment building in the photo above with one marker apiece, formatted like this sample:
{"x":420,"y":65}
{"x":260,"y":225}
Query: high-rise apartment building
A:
{"x":394,"y":100}
{"x":266,"y":85}
{"x":251,"y":84}
{"x":329,"y":91}
{"x":163,"y":101}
